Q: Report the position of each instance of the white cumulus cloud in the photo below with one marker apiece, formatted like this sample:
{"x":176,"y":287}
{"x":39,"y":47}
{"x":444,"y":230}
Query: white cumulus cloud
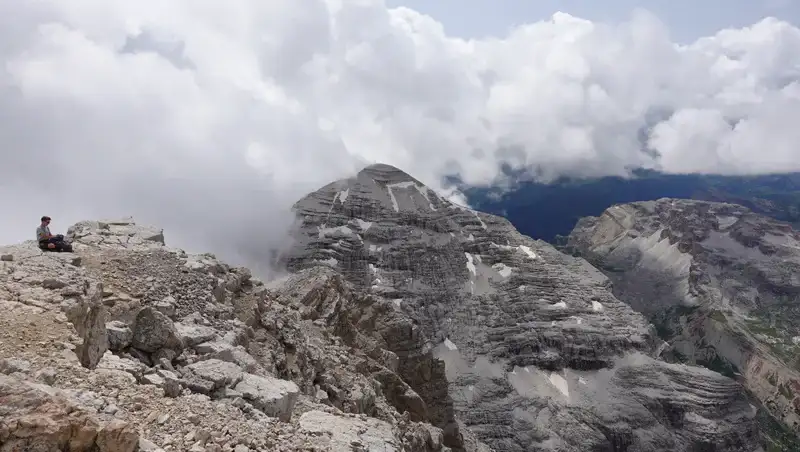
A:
{"x":211,"y":118}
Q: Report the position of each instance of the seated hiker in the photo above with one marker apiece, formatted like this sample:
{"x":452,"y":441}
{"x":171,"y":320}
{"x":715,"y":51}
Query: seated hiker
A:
{"x":48,"y":241}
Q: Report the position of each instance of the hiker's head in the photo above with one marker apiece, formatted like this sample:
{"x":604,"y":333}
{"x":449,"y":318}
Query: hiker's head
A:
{"x":45,"y":220}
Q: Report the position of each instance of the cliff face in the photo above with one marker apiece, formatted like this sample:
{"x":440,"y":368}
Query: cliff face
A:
{"x":721,"y":283}
{"x":505,"y":337}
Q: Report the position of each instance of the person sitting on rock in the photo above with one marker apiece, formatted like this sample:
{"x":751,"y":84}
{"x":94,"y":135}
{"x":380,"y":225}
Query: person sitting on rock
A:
{"x":48,"y":241}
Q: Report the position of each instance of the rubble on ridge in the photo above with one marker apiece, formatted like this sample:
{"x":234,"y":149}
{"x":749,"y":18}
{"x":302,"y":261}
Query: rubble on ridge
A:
{"x":128,"y":344}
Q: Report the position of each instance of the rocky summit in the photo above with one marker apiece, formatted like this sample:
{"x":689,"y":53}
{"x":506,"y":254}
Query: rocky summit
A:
{"x":505,"y":341}
{"x":405,"y":323}
{"x":129,"y":345}
{"x":721,"y":283}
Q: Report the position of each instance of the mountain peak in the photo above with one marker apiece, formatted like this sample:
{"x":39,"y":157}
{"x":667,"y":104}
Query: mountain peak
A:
{"x":467,"y":291}
{"x":380,"y":186}
{"x":383,"y":170}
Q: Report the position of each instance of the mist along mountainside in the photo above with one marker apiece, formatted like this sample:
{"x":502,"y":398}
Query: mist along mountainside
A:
{"x":547,"y":211}
{"x":720,"y":282}
{"x":505,"y":337}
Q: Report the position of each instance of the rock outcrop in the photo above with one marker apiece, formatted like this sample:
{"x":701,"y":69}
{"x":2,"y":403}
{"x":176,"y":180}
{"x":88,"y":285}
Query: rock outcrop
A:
{"x":128,"y":344}
{"x":721,"y":283}
{"x":478,"y":330}
{"x":36,"y":417}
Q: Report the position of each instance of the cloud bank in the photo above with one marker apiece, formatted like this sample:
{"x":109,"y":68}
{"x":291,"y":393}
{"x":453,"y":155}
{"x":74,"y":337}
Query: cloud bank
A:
{"x":210,"y":119}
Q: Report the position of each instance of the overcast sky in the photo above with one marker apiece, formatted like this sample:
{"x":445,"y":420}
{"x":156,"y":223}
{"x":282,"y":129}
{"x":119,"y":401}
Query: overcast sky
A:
{"x":687,"y":20}
{"x":211,"y":118}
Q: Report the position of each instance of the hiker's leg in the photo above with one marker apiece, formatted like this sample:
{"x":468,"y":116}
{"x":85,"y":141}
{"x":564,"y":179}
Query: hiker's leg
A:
{"x":49,"y":244}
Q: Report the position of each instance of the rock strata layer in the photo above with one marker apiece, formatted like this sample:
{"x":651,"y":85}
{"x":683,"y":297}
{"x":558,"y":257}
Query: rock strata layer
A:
{"x":721,"y":283}
{"x":497,"y":335}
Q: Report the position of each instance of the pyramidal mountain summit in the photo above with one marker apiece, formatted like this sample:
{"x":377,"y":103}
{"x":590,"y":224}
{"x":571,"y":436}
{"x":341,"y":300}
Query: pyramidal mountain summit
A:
{"x":406,"y":323}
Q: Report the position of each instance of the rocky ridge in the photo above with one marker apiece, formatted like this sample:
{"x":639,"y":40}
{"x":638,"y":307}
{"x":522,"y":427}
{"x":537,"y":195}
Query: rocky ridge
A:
{"x":503,"y":336}
{"x":128,"y":345}
{"x":721,"y":282}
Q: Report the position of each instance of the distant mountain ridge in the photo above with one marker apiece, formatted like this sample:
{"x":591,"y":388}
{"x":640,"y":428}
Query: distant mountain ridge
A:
{"x":549,"y":211}
{"x":721,"y":286}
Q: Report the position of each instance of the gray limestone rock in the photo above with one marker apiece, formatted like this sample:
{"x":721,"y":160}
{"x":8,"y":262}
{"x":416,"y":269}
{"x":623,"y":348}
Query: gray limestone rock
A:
{"x":152,"y":379}
{"x":236,"y":355}
{"x":119,"y":335}
{"x":111,"y":361}
{"x":146,"y":445}
{"x":37,"y":417}
{"x":721,"y":283}
{"x":89,"y":319}
{"x":525,"y":345}
{"x":166,"y":306}
{"x":10,"y":366}
{"x":171,"y":383}
{"x":212,"y":348}
{"x":274,"y":397}
{"x":53,"y":284}
{"x":197,"y":384}
{"x":115,"y":233}
{"x":343,"y":434}
{"x":153,"y":331}
{"x":165,"y":380}
{"x":221,"y":373}
{"x":193,"y":335}
{"x":47,"y":375}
